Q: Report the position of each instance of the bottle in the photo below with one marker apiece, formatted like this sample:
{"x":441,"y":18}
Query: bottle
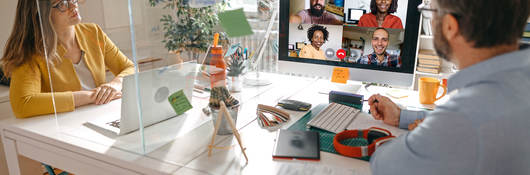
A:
{"x":218,"y":74}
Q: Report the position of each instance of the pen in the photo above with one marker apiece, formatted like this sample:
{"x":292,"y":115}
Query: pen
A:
{"x":375,"y":101}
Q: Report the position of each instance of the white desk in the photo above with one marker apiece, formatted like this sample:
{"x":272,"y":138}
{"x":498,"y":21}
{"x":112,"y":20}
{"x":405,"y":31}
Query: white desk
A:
{"x":75,"y":148}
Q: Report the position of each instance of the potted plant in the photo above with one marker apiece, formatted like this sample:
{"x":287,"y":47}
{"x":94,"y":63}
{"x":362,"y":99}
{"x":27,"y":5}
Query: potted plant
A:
{"x":189,"y":29}
{"x":236,"y":67}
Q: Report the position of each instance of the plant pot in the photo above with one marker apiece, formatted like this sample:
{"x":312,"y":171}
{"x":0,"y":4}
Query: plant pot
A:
{"x":224,"y":127}
{"x":235,"y":83}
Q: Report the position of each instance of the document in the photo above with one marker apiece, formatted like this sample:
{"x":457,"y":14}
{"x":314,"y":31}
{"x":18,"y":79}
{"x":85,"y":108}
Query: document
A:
{"x":287,"y":168}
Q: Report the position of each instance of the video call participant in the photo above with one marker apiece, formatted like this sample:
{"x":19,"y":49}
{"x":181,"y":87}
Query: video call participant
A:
{"x":318,"y":35}
{"x":380,"y":40}
{"x":483,"y":128}
{"x":315,"y":15}
{"x":381,"y":16}
{"x":77,"y":53}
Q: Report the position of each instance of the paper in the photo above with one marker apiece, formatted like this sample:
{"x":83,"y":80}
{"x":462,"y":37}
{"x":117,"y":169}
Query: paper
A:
{"x":235,"y":23}
{"x":340,"y":75}
{"x":311,"y":169}
{"x":179,"y":102}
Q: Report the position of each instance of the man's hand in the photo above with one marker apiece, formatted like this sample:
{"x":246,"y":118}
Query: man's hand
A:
{"x":108,"y":91}
{"x":382,"y":108}
{"x":415,"y":124}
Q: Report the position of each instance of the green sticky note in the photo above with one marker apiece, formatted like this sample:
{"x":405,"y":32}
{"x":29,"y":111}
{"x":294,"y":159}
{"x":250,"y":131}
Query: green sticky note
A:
{"x":179,"y":102}
{"x":235,"y":23}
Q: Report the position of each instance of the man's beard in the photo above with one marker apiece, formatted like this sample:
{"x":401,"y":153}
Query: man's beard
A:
{"x":315,"y":12}
{"x":441,"y":44}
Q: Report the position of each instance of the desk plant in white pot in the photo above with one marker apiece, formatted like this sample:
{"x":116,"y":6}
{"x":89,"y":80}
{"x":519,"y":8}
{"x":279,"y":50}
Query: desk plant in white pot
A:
{"x":236,"y":67}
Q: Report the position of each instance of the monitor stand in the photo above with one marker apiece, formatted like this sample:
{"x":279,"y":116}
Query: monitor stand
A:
{"x":349,"y":87}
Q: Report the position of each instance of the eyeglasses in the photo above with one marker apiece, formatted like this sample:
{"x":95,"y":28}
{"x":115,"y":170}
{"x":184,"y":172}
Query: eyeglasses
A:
{"x":64,"y":5}
{"x":426,"y":9}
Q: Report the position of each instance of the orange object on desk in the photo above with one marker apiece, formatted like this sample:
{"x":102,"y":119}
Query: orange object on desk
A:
{"x":218,"y":76}
{"x":340,"y":75}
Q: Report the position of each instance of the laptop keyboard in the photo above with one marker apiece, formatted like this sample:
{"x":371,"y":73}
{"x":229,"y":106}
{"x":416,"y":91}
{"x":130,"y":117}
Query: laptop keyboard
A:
{"x":115,"y":123}
{"x":334,"y":118}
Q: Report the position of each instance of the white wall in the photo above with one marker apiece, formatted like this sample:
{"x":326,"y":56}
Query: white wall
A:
{"x":334,"y":38}
{"x":7,"y":17}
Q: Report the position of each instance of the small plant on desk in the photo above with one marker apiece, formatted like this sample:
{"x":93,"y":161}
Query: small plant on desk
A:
{"x":236,"y":67}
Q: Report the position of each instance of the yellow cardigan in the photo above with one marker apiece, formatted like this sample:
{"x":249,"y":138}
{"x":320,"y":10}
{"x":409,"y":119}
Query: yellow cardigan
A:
{"x":29,"y":92}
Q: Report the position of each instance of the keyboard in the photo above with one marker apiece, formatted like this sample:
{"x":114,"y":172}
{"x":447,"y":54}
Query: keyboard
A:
{"x":115,"y":123}
{"x":334,"y":118}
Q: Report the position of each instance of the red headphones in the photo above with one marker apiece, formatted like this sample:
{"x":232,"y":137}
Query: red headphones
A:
{"x":375,"y":136}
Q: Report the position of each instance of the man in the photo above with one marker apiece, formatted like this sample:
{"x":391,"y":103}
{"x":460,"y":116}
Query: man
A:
{"x":380,"y":57}
{"x":318,"y":35}
{"x":316,"y":14}
{"x":484,"y":127}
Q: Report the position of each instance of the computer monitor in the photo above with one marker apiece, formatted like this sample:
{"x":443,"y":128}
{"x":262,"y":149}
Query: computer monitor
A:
{"x":391,"y":62}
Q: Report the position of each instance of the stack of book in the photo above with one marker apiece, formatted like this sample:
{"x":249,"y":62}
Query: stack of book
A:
{"x":428,"y":62}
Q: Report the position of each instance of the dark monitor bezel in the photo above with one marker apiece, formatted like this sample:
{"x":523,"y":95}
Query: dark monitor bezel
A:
{"x":408,"y":52}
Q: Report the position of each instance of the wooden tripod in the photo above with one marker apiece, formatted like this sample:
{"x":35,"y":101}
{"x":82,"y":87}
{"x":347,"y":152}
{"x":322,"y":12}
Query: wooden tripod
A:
{"x":223,"y":111}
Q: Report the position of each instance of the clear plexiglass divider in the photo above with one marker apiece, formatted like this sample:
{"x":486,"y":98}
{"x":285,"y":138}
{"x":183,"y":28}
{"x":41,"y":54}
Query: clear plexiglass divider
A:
{"x":96,"y":84}
{"x":137,"y":75}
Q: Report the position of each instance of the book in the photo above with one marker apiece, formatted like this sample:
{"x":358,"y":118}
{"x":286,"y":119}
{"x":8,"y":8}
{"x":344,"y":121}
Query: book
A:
{"x":427,"y":61}
{"x":426,"y":56}
{"x":294,"y":144}
{"x":429,"y":66}
{"x":427,"y":52}
{"x":428,"y":70}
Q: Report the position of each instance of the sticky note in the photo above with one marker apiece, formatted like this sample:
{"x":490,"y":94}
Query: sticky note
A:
{"x":235,"y":23}
{"x":179,"y":102}
{"x":340,"y":75}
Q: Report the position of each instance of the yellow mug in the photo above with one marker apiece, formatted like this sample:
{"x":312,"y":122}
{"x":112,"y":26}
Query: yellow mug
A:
{"x":428,"y":88}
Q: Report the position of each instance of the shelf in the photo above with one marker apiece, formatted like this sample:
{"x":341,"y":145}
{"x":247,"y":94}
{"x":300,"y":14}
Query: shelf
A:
{"x":426,"y":37}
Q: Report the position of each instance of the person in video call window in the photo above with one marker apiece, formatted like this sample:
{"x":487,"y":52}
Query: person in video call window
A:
{"x":381,"y":16}
{"x":315,"y":15}
{"x":380,"y":57}
{"x":318,"y":35}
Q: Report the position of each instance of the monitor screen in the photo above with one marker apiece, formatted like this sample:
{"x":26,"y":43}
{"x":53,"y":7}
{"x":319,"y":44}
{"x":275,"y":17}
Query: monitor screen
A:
{"x":354,"y":15}
{"x":387,"y":45}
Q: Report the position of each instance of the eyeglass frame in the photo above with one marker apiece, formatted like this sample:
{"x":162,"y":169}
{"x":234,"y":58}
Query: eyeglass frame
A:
{"x":425,"y":7}
{"x":68,"y":2}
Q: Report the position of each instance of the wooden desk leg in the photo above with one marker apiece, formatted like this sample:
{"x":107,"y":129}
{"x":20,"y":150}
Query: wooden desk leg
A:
{"x":11,"y":156}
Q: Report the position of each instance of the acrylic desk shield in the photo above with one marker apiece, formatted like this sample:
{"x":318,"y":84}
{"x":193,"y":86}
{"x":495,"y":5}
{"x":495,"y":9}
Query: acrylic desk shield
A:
{"x":134,"y":95}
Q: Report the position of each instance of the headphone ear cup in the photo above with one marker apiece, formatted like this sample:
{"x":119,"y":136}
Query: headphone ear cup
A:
{"x":374,"y":135}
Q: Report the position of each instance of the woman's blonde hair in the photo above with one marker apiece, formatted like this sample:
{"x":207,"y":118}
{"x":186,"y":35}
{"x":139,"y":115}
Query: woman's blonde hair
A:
{"x":29,"y":38}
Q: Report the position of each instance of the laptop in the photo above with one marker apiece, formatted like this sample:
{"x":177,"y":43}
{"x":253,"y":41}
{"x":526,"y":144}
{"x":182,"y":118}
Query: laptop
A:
{"x":155,"y":86}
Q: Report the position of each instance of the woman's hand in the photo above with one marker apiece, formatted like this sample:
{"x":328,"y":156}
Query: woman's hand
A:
{"x":108,"y":91}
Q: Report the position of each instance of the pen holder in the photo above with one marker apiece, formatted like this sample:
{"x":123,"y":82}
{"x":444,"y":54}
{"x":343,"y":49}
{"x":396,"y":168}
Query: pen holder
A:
{"x":224,"y":128}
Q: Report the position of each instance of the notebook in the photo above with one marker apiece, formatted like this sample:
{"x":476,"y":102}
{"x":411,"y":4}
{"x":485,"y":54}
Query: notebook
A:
{"x":291,"y":144}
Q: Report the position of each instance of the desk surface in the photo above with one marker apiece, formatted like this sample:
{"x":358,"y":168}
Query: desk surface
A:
{"x":68,"y":144}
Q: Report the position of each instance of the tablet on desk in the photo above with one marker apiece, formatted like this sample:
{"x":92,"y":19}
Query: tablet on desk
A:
{"x":292,"y":144}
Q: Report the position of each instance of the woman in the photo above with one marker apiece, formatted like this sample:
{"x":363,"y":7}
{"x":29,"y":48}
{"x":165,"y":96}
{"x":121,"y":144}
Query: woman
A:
{"x":381,"y":16}
{"x":77,"y":55}
{"x":318,"y":35}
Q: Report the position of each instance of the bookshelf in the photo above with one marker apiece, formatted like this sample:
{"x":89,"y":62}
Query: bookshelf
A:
{"x":426,"y":42}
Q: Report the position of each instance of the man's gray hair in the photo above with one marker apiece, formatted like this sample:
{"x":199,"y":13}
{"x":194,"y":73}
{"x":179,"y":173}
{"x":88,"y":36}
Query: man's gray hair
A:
{"x":488,"y":22}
